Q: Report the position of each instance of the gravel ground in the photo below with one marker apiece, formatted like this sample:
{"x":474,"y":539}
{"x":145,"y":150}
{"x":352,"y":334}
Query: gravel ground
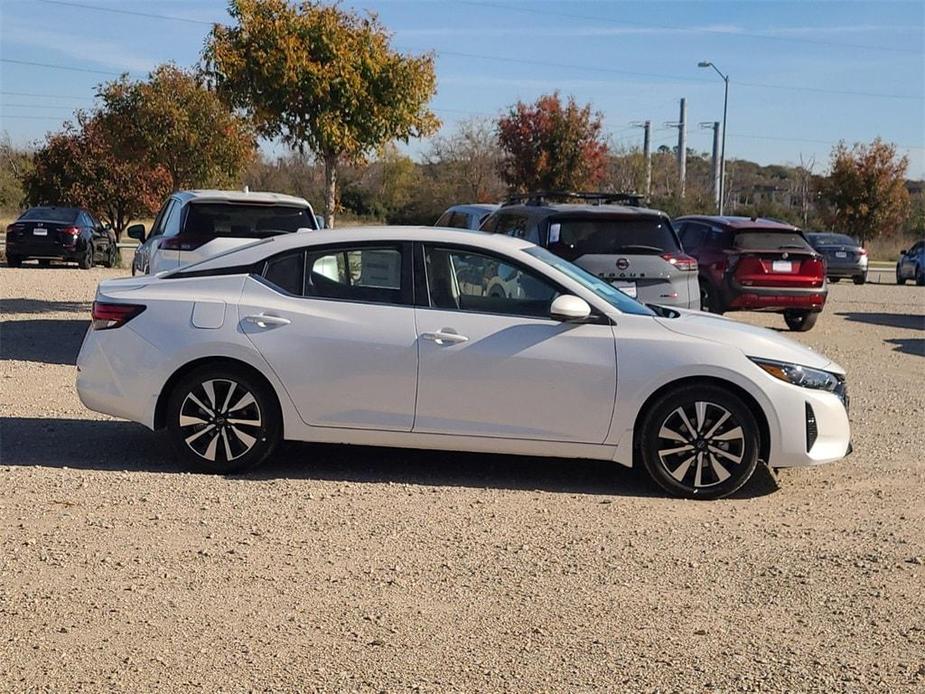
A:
{"x":355,"y":569}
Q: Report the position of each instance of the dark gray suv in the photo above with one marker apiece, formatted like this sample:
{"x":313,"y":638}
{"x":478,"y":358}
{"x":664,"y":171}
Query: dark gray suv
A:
{"x":610,"y":235}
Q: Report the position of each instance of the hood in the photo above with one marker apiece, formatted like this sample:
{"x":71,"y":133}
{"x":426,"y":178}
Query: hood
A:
{"x":752,"y":340}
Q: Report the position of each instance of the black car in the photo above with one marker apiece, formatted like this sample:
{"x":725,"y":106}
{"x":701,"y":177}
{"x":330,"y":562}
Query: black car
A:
{"x":844,"y":256}
{"x":60,"y":233}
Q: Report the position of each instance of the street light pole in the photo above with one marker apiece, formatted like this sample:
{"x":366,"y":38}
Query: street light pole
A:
{"x":722,"y":156}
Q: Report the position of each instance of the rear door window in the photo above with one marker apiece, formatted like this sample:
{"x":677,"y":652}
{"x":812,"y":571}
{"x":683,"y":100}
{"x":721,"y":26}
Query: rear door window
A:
{"x":358,"y":274}
{"x":511,"y":225}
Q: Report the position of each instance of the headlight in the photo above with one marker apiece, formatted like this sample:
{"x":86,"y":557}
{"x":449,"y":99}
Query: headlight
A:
{"x":800,"y":375}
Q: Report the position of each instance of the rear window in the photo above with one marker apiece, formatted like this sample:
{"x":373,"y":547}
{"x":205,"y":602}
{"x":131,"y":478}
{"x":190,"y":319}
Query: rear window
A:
{"x":51,"y":214}
{"x":602,"y":236}
{"x":764,"y":240}
{"x":245,"y":220}
{"x":832,"y":240}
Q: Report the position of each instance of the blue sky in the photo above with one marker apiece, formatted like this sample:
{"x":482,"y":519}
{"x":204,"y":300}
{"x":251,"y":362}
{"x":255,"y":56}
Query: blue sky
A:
{"x":859,"y":67}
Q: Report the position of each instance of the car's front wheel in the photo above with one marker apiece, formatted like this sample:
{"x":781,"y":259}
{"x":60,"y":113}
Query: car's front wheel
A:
{"x":85,"y":261}
{"x":860,"y":279}
{"x":920,"y":276}
{"x":112,"y":256}
{"x":800,"y":321}
{"x":900,"y":279}
{"x":700,"y":442}
{"x":13,"y":260}
{"x":222,"y":420}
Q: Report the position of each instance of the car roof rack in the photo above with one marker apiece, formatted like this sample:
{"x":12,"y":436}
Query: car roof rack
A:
{"x":539,"y":198}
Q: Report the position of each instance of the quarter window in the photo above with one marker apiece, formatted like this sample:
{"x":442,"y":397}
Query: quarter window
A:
{"x":286,"y":272}
{"x":465,"y":281}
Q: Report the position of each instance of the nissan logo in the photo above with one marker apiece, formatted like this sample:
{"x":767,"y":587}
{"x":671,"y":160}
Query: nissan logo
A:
{"x":622,"y":263}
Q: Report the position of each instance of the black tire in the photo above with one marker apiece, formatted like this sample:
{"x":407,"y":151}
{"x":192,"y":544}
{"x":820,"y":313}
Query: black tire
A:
{"x":800,"y":320}
{"x":834,"y":280}
{"x":710,"y":460}
{"x":44,"y":262}
{"x":899,"y":276}
{"x":709,"y":302}
{"x":920,"y":276}
{"x":85,"y":261}
{"x":248,"y":444}
{"x":860,"y":279}
{"x":13,"y":260}
{"x":111,"y":256}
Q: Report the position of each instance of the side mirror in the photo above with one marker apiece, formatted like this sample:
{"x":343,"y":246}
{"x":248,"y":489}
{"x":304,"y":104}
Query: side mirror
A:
{"x":903,"y":252}
{"x":569,"y":308}
{"x":136,"y":231}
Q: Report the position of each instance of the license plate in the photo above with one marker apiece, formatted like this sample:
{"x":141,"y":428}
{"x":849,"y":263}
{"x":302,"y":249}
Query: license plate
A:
{"x":841,"y":254}
{"x":628,"y":288}
{"x":782,"y":266}
{"x":40,"y":232}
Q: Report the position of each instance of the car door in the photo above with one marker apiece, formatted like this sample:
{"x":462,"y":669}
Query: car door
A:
{"x":336,"y":325}
{"x":492,"y":361}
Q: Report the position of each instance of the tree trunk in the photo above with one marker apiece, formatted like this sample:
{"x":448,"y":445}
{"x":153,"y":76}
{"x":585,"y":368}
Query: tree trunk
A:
{"x":330,"y":189}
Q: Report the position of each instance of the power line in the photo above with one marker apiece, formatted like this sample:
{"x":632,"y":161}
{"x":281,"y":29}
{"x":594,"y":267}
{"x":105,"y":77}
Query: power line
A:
{"x":59,"y":67}
{"x":756,"y":85}
{"x":46,"y":96}
{"x":45,"y":106}
{"x":703,"y":30}
{"x":147,"y":15}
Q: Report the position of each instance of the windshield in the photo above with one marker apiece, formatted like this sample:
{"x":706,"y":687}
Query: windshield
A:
{"x":599,"y":235}
{"x":50,"y":214}
{"x":832,"y":240}
{"x":246,"y":220}
{"x":607,"y":292}
{"x":763,"y":240}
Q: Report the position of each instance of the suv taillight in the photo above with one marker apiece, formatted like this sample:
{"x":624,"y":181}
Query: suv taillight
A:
{"x":109,"y":316}
{"x":71,"y":231}
{"x":184,"y":243}
{"x":681,"y":261}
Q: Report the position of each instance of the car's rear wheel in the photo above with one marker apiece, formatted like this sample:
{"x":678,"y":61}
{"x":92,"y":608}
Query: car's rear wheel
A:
{"x":860,"y":279}
{"x":834,"y":280}
{"x":708,"y":301}
{"x":800,"y":321}
{"x":222,"y":420}
{"x":85,"y":261}
{"x":13,"y":260}
{"x":44,"y":262}
{"x":700,"y":442}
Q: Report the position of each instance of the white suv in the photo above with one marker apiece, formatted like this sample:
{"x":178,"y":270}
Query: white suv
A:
{"x":195,"y":224}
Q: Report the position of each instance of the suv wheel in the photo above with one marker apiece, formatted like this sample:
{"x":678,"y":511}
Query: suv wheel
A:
{"x":800,"y":321}
{"x":860,"y":279}
{"x":709,"y":302}
{"x":899,"y":275}
{"x":700,"y":442}
{"x":221,"y":420}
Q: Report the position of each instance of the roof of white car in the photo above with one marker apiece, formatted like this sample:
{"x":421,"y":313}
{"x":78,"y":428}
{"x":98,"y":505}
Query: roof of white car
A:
{"x":264,"y":248}
{"x":239,"y":196}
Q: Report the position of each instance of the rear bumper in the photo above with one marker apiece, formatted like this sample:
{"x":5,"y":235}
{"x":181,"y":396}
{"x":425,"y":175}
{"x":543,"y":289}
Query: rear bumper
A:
{"x":847,"y":270}
{"x":769,"y":298}
{"x":28,"y":249}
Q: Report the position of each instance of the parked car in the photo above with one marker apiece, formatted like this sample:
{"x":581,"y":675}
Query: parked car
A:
{"x":633,"y":248}
{"x":195,"y":224}
{"x":466,"y":216}
{"x":388,"y":336}
{"x":60,"y":233}
{"x":911,"y":265}
{"x":844,"y":255}
{"x":755,"y":264}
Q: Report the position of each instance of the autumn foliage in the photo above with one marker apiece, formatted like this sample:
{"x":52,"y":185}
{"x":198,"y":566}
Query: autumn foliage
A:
{"x":867,"y":189}
{"x":551,"y":146}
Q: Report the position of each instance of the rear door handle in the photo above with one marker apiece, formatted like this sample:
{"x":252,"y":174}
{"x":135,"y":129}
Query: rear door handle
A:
{"x":447,"y":336}
{"x":264,"y":320}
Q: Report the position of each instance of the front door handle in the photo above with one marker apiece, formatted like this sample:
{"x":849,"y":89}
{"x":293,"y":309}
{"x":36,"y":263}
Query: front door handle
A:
{"x":446,"y":336}
{"x":264,"y":320}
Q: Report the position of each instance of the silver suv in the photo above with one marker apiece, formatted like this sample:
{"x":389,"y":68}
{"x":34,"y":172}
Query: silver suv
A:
{"x":610,"y":235}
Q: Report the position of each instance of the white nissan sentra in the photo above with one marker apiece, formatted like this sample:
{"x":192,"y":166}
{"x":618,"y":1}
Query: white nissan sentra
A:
{"x":389,"y":337}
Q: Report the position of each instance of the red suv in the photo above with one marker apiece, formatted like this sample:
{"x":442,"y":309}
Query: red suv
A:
{"x":755,"y":264}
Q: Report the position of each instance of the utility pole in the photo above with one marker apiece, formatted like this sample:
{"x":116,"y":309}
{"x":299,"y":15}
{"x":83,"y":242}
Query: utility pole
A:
{"x":715,"y":161}
{"x":646,"y":152}
{"x":722,"y":152}
{"x":681,"y":125}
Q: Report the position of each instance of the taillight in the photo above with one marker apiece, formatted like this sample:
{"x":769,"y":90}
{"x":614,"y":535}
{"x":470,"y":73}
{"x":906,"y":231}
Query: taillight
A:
{"x":184,"y":243}
{"x":748,"y":265}
{"x":13,"y":228}
{"x":109,"y":316}
{"x":71,"y":231}
{"x":862,"y":251}
{"x":814,"y":267}
{"x":681,"y":261}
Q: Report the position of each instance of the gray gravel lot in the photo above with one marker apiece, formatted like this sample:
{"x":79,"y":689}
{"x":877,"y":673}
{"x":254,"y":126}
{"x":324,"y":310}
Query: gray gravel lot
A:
{"x":356,"y":569}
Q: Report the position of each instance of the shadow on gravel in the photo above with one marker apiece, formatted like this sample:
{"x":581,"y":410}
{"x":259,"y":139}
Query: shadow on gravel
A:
{"x":44,"y":340}
{"x":117,"y":446}
{"x":22,"y":305}
{"x":909,"y":321}
{"x":909,"y":345}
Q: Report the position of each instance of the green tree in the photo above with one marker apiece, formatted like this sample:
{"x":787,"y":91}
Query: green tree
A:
{"x":80,"y":166}
{"x":15,"y":163}
{"x":172,"y":121}
{"x":322,"y":79}
{"x":551,"y":146}
{"x":866,"y":189}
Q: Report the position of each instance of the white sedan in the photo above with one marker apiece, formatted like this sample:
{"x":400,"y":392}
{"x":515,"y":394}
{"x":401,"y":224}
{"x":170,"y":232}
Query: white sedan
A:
{"x":390,"y":337}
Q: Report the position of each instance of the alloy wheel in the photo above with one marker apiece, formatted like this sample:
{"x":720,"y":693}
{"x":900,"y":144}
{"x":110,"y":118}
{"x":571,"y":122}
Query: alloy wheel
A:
{"x":700,"y":444}
{"x":220,"y":420}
